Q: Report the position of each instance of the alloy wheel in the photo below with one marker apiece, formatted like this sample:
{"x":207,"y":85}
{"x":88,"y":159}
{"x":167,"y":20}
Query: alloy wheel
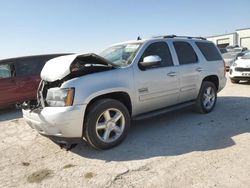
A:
{"x":110,"y":125}
{"x":209,"y":98}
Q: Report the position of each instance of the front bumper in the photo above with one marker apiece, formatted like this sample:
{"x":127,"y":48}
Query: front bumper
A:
{"x":59,"y":122}
{"x":243,"y":75}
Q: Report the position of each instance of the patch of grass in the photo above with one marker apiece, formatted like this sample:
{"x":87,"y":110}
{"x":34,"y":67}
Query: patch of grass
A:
{"x":39,"y":176}
{"x":68,"y":166}
{"x":89,"y":175}
{"x":25,"y":163}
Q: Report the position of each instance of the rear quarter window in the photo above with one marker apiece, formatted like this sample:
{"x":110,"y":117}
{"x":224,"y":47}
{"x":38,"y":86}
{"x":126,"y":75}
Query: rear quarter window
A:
{"x":209,"y":51}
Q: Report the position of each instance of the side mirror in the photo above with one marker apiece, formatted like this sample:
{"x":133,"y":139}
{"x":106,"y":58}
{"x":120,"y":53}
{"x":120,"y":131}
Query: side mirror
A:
{"x":150,"y":61}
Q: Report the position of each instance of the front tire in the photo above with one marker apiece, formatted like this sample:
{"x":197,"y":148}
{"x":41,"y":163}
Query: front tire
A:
{"x":106,"y":124}
{"x":207,"y":97}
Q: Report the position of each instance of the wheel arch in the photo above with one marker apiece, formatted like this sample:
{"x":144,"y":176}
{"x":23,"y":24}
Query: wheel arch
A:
{"x":121,"y":96}
{"x":212,"y":78}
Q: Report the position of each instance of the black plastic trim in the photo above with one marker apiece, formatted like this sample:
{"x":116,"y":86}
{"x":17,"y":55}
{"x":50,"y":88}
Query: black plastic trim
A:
{"x":163,"y":110}
{"x":64,"y":140}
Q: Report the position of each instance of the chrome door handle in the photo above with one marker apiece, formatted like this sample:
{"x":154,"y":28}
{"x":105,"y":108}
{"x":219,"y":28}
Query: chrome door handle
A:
{"x":171,"y":74}
{"x":199,"y":69}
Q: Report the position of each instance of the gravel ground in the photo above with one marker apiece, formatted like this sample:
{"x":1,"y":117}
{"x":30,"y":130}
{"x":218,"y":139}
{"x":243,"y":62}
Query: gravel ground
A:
{"x":179,"y":149}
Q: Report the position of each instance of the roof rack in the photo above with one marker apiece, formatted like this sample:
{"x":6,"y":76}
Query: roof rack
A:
{"x":175,"y":36}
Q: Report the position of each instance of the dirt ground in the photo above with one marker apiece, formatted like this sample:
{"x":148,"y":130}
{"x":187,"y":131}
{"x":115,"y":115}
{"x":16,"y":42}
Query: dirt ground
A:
{"x":179,"y":149}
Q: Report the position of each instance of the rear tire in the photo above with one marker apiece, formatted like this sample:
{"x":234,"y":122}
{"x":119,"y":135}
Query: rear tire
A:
{"x":207,"y":97}
{"x":235,"y":81}
{"x":106,"y":124}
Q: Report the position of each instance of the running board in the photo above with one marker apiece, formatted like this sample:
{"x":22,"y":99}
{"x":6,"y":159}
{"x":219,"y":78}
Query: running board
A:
{"x":163,"y":111}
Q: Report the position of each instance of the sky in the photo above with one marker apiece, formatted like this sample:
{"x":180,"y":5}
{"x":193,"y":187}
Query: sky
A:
{"x":29,"y":27}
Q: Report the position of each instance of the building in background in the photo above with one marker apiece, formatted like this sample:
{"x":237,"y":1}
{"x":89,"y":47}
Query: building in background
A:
{"x":240,"y":37}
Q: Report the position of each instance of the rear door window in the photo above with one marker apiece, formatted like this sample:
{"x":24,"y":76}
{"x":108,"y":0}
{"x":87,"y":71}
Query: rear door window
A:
{"x":209,"y":51}
{"x":185,"y":53}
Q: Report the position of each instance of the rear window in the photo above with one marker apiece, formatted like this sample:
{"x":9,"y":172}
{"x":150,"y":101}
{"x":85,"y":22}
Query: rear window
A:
{"x":209,"y":51}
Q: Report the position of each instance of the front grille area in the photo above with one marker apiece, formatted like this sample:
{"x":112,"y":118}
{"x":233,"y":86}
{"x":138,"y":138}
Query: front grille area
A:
{"x":43,"y":89}
{"x":240,"y":69}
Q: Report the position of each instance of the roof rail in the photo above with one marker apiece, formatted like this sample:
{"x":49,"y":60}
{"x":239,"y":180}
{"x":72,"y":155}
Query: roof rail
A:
{"x":175,"y":36}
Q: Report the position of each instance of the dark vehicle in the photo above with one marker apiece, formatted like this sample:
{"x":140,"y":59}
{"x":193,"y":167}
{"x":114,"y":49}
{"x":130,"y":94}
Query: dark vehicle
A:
{"x":20,"y":77}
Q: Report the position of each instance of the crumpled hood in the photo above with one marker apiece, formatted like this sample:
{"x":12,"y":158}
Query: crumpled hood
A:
{"x":59,"y":67}
{"x":244,"y":63}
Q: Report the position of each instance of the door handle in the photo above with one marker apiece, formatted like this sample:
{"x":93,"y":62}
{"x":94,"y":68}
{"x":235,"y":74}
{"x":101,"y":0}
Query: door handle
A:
{"x":199,"y":69}
{"x":171,"y":74}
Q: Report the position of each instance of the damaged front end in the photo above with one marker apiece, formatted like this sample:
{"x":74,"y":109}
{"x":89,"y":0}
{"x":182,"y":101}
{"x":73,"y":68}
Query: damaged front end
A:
{"x":53,"y":114}
{"x":59,"y":70}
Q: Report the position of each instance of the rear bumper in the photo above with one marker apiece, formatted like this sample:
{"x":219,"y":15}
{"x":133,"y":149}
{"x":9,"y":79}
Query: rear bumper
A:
{"x":57,"y":122}
{"x":222,"y":83}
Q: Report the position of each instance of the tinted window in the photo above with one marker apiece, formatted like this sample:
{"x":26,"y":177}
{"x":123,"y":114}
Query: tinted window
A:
{"x":209,"y":51}
{"x":160,"y":49}
{"x":30,"y":66}
{"x":185,"y":53}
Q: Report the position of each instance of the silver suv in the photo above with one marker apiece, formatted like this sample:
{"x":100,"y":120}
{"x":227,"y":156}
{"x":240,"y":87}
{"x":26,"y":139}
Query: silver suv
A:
{"x":94,"y":97}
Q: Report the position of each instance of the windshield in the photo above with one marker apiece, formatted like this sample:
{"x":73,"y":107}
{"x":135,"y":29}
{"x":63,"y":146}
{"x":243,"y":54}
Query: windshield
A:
{"x":121,"y":55}
{"x":246,"y":56}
